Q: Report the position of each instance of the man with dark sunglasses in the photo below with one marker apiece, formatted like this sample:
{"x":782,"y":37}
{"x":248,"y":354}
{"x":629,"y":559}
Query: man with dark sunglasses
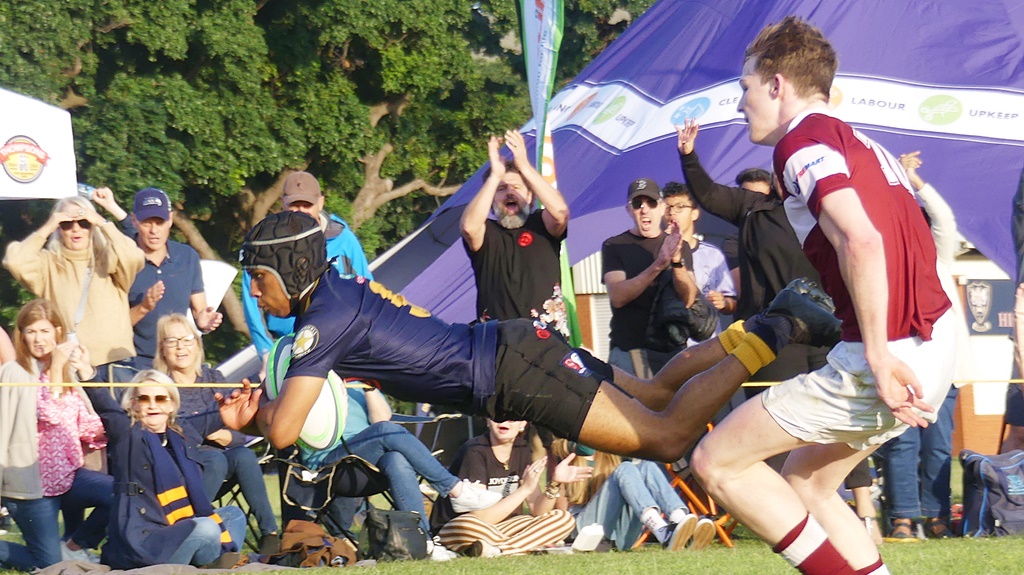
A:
{"x":632,"y":263}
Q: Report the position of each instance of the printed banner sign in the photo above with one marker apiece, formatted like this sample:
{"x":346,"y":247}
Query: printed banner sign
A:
{"x":37,"y":149}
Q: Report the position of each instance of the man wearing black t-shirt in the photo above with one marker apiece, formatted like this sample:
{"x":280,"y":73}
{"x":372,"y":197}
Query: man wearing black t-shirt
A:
{"x":515,"y":256}
{"x":632,"y":262}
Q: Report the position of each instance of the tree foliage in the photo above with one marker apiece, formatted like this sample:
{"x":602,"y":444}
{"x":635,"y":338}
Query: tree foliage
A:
{"x":388,"y":102}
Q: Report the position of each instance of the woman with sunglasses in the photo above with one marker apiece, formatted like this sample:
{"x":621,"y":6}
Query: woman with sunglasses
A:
{"x":161,"y":512}
{"x":44,"y":432}
{"x":85,"y":266}
{"x":627,"y":496}
{"x":223,"y":453}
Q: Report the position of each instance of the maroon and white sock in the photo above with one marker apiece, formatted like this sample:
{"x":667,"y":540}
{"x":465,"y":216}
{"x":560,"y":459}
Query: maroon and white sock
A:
{"x":876,"y":568}
{"x":808,"y":549}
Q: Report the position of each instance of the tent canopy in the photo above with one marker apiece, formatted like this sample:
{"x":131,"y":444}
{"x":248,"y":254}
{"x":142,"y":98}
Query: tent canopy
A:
{"x":940,"y":76}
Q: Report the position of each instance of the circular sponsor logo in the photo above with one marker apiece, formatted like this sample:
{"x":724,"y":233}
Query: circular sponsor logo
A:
{"x":543,"y":333}
{"x":23,"y":159}
{"x":835,"y":97}
{"x":940,"y":110}
{"x":694,"y":108}
{"x":525,"y":239}
{"x":305,"y":341}
{"x":583,"y":104}
{"x":610,"y":110}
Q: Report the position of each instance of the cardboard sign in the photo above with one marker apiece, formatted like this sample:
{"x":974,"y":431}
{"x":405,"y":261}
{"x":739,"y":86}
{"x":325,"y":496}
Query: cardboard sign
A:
{"x":37,"y":150}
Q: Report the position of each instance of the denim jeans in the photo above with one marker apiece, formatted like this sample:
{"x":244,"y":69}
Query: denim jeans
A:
{"x":214,"y":464}
{"x":89,"y":489}
{"x":37,"y":520}
{"x":244,"y":467}
{"x":917,"y":465}
{"x":632,"y":488}
{"x":402,"y":458}
{"x":202,"y":546}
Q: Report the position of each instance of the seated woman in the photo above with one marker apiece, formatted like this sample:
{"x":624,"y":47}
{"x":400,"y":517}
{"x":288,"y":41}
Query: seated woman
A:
{"x":161,"y":512}
{"x":223,"y":454}
{"x":39,"y":462}
{"x":85,"y":266}
{"x":624,"y":497}
{"x":500,"y":459}
{"x":400,"y":456}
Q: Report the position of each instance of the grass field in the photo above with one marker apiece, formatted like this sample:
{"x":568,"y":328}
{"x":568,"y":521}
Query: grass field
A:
{"x":750,"y":556}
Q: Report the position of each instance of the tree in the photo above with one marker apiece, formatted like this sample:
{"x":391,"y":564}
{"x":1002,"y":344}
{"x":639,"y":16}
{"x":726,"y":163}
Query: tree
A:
{"x":216,"y":101}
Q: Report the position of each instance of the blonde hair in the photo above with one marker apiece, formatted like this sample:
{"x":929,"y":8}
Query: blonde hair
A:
{"x":581,"y":492}
{"x":162,"y":327}
{"x":97,"y":241}
{"x":798,"y":51}
{"x":161,"y":379}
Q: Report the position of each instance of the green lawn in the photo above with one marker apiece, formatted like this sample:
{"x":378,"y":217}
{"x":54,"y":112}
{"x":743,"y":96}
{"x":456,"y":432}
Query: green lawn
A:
{"x":750,"y":556}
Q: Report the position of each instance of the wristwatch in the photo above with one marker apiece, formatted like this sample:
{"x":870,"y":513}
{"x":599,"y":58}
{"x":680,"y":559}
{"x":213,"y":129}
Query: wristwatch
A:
{"x":677,"y":265}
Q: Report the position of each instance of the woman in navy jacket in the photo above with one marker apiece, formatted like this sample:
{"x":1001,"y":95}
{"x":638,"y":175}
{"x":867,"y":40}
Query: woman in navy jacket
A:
{"x":149,"y":457}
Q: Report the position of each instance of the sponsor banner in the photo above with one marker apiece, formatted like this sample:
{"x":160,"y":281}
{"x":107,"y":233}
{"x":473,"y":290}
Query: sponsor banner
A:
{"x":37,"y":153}
{"x":542,"y":36}
{"x":618,"y":118}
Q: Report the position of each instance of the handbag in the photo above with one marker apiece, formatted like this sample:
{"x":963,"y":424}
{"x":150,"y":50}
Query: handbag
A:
{"x":306,"y":544}
{"x":394,"y":535}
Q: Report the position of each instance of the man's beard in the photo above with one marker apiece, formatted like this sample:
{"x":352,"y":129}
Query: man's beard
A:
{"x":514,"y":220}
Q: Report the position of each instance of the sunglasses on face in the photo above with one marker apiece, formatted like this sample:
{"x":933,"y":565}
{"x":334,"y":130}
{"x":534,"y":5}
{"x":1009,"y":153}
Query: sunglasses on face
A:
{"x":186,"y":341}
{"x":151,"y":399}
{"x":638,"y":203}
{"x":84,"y":224}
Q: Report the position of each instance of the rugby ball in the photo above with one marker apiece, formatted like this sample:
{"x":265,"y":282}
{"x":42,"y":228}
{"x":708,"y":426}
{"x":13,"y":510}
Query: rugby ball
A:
{"x":326,"y":420}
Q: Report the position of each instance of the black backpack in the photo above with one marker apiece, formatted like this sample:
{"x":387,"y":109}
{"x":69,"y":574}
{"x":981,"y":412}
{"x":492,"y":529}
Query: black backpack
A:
{"x":671,"y":323}
{"x":993,"y":493}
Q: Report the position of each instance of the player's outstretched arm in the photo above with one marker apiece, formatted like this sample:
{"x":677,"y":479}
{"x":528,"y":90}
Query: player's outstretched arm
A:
{"x":281,"y":420}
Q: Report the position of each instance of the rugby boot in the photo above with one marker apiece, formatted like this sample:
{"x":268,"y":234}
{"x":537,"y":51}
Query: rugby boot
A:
{"x":800,"y":313}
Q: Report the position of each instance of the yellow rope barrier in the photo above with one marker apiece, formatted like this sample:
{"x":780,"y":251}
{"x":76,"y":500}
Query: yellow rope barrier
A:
{"x":254,"y":385}
{"x":957,"y":382}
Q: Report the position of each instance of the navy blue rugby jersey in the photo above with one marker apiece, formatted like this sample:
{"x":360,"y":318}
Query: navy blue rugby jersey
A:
{"x":359,"y":328}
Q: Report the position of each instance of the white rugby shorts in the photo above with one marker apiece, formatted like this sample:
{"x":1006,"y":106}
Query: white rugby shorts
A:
{"x":838,"y":403}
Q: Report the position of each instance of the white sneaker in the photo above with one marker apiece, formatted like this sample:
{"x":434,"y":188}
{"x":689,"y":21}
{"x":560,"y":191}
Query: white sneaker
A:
{"x":703,"y":534}
{"x":588,"y":538}
{"x":681,"y":533}
{"x":438,"y":552}
{"x":473,"y":497}
{"x":83,"y":554}
{"x":442,"y":553}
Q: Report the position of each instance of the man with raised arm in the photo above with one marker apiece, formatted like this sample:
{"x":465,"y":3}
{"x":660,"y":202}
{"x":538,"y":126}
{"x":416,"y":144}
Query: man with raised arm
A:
{"x":515,"y":255}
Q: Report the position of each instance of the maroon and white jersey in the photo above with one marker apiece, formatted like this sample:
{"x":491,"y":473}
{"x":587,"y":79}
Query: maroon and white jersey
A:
{"x":821,"y":154}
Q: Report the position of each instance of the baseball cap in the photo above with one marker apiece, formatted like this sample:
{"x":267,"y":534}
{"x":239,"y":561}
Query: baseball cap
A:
{"x":300,"y":187}
{"x":151,"y":203}
{"x":644,"y":187}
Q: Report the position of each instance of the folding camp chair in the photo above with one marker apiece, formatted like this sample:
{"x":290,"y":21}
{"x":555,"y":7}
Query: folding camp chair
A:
{"x":442,"y":433}
{"x":312,"y":490}
{"x":699,"y":502}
